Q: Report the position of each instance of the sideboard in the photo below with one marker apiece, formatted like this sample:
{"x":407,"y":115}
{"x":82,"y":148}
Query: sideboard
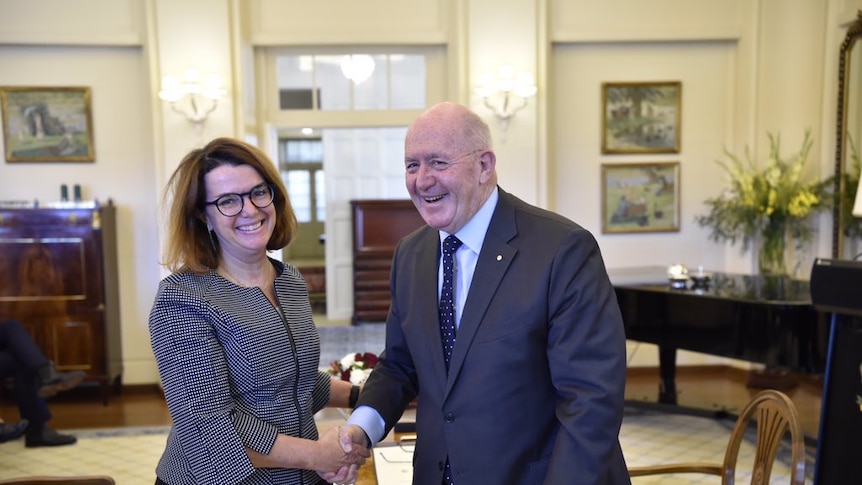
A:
{"x":378,"y":225}
{"x":58,"y":277}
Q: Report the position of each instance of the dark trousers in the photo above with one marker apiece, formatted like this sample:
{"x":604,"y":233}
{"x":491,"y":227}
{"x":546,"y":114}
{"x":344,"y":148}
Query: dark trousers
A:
{"x":21,"y":359}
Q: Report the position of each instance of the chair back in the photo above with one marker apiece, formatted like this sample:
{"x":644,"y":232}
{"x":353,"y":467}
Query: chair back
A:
{"x":775,"y":414}
{"x":57,"y":480}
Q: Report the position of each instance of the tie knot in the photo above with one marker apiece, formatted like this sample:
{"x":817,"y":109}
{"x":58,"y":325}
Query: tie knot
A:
{"x":451,"y":244}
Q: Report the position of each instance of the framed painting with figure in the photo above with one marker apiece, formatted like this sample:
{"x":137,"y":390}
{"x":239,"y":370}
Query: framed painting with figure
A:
{"x":47,"y":124}
{"x":640,"y":197}
{"x":641,"y":117}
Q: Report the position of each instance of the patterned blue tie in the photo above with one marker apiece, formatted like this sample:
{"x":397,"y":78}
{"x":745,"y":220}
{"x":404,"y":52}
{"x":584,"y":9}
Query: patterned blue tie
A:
{"x":447,"y":316}
{"x":447,"y":301}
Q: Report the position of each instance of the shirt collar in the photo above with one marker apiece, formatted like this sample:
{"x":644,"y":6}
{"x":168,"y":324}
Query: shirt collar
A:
{"x":473,"y":233}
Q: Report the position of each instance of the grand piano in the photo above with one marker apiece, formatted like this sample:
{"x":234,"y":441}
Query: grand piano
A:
{"x":768,"y":320}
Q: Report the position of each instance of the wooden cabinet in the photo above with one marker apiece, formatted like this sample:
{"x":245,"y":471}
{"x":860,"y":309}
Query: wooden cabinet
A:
{"x":378,"y":225}
{"x":58,"y":277}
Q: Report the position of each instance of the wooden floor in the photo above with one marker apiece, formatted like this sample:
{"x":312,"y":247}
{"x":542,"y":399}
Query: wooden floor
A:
{"x":725,"y":389}
{"x":701,"y":388}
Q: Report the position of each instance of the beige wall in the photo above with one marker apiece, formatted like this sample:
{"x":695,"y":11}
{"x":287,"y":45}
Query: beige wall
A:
{"x":40,"y":46}
{"x":747,"y":67}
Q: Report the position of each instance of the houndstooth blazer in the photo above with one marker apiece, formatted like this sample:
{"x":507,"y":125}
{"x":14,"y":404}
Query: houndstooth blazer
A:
{"x":236,"y":371}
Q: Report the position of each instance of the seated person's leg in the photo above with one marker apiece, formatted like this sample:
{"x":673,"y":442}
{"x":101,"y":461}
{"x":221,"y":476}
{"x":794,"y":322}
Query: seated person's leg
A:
{"x":12,"y":431}
{"x":15,"y":339}
{"x":31,"y":406}
{"x":9,"y":431}
{"x":34,"y":408}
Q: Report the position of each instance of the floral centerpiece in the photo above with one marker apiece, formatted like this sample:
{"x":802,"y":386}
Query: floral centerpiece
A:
{"x":767,"y":204}
{"x":354,"y":367}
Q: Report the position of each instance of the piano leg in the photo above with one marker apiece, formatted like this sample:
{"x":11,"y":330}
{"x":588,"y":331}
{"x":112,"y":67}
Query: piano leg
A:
{"x":667,"y":375}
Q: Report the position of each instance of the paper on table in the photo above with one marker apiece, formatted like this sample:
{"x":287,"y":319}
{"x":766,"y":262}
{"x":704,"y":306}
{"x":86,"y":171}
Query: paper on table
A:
{"x":393,"y":463}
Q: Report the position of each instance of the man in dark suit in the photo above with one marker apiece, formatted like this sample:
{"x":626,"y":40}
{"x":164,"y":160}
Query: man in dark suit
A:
{"x":34,"y":378}
{"x":536,"y":377}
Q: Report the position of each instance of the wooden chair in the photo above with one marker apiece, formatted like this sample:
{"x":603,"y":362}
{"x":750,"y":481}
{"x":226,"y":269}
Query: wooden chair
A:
{"x":775,"y":414}
{"x":57,"y":480}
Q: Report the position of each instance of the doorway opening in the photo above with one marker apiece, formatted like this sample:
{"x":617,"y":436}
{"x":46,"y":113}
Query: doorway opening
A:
{"x":300,"y":162}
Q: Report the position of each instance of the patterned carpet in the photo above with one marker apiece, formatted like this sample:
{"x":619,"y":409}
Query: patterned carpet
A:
{"x":648,"y":436}
{"x":130,"y":454}
{"x":336,"y":342}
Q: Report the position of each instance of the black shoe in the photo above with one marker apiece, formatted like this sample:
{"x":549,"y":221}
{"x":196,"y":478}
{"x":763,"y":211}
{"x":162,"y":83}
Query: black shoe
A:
{"x":48,"y":437}
{"x":12,"y":431}
{"x":54,"y":381}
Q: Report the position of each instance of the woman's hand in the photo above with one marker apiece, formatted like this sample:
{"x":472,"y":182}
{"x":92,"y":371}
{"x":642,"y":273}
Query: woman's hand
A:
{"x":341,"y":454}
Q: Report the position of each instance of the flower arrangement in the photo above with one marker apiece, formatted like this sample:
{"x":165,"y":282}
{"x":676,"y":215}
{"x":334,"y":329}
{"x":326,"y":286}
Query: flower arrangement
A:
{"x":771,"y":203}
{"x":354,"y":368}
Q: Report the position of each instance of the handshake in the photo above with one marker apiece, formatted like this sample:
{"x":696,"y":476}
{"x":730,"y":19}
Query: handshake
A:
{"x":344,"y":450}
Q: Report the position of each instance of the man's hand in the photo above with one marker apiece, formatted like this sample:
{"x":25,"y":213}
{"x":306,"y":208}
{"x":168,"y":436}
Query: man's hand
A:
{"x":343,"y":452}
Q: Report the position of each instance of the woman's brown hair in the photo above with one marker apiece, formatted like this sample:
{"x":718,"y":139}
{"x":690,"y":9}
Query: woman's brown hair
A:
{"x":189,"y":245}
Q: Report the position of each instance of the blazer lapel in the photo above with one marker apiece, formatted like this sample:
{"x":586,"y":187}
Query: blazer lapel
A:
{"x":493,"y":262}
{"x":427,"y":259}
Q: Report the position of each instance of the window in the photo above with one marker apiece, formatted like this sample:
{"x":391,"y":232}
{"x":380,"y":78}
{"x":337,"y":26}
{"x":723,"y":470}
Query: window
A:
{"x":301,"y":167}
{"x":351,"y":81}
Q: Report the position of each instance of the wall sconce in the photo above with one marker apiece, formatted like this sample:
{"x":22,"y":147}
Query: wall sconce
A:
{"x":506,"y":93}
{"x":192,"y":96}
{"x":357,"y":67}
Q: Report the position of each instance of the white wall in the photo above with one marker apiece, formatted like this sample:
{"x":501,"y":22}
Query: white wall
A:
{"x":702,"y":68}
{"x":122,"y":171}
{"x":747,"y":67}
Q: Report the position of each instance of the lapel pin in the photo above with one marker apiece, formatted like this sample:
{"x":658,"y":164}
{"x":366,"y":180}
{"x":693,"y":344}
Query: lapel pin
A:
{"x":499,"y":257}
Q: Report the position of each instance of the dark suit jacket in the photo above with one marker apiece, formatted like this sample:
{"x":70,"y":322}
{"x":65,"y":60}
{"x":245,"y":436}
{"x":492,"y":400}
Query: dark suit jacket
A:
{"x":535,"y":389}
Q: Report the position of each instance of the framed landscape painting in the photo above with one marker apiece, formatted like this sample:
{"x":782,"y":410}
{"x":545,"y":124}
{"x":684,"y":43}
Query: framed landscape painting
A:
{"x":641,"y":117}
{"x":47,"y":124}
{"x":640,"y":197}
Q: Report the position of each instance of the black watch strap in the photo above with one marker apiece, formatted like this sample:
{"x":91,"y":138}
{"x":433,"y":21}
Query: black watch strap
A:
{"x":354,"y":396}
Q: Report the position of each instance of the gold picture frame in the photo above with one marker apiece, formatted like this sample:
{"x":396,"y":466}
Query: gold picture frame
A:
{"x":641,"y":117}
{"x":640,"y":197}
{"x":47,"y":124}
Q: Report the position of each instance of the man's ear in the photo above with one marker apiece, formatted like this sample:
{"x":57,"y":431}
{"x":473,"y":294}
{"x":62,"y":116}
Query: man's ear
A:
{"x":487,"y":162}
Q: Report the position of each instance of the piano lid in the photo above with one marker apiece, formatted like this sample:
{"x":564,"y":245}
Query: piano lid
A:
{"x":836,"y":286}
{"x":728,"y":286}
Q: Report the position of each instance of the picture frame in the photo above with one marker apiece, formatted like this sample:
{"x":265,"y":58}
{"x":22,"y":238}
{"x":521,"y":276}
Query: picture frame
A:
{"x":47,"y":124}
{"x":640,"y":197}
{"x":641,"y":117}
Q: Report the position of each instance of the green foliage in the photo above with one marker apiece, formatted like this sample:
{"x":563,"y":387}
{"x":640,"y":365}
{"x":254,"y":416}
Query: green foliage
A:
{"x":761,"y":201}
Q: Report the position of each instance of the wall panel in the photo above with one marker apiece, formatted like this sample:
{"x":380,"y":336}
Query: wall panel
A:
{"x":636,"y":20}
{"x":299,"y":22}
{"x":706,"y":72}
{"x":79,"y":22}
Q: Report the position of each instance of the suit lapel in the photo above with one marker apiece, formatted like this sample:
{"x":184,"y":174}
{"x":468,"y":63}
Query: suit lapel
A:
{"x":425,"y":278}
{"x":493,"y":262}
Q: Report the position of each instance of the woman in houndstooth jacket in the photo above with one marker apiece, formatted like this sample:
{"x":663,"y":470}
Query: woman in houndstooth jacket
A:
{"x":231,"y":329}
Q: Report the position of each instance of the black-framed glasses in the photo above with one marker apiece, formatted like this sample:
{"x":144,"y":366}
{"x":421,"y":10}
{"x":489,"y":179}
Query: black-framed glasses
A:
{"x":230,"y":205}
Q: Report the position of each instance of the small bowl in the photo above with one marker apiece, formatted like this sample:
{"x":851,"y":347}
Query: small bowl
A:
{"x":678,"y":282}
{"x":700,"y":281}
{"x":677,"y":276}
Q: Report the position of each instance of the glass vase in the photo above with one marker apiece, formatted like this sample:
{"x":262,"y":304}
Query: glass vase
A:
{"x":772,"y":252}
